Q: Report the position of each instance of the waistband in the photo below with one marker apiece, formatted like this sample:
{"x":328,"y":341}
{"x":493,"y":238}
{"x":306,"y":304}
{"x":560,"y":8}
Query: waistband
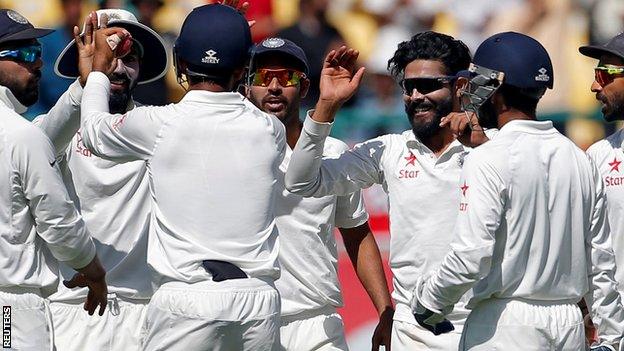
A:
{"x":114,"y":302}
{"x":20,"y":290}
{"x":226,"y":285}
{"x":573,"y":301}
{"x":326,"y":310}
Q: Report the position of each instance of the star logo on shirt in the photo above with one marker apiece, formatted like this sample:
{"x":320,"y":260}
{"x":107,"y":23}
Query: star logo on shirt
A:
{"x":615,"y":165}
{"x":464,"y":188}
{"x":411,"y":159}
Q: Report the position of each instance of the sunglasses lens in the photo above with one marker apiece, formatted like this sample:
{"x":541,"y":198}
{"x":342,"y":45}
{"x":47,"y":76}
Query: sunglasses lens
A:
{"x":285,"y":78}
{"x":422,"y":85}
{"x":602,"y":77}
{"x":30,"y":53}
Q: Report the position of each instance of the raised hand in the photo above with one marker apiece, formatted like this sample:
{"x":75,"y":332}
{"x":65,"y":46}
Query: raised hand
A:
{"x":240,"y":6}
{"x":86,"y":46}
{"x":104,"y":60}
{"x":338,"y":82}
{"x":465,"y":128}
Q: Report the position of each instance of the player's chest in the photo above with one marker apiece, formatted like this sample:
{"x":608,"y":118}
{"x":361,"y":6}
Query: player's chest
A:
{"x":612,"y":171}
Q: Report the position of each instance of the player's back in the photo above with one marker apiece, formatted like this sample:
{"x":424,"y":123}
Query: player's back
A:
{"x":548,"y":189}
{"x":213,"y":178}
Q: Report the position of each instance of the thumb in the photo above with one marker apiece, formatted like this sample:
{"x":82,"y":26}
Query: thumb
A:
{"x":357,"y":78}
{"x":78,"y":280}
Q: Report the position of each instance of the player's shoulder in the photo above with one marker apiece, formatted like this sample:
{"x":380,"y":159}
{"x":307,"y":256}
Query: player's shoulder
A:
{"x":606,"y":145}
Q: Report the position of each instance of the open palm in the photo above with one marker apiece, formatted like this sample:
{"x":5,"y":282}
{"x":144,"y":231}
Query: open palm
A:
{"x":338,"y":80}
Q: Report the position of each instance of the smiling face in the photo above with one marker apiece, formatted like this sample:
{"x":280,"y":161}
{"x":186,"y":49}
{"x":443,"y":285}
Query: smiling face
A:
{"x":425,"y":109}
{"x":22,"y":78}
{"x":123,"y":80}
{"x":611,"y":94}
{"x":277,"y":98}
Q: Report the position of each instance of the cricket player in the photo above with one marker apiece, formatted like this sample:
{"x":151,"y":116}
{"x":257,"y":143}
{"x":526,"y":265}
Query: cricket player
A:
{"x":308,"y":286}
{"x":532,"y":237}
{"x":40,"y":225}
{"x":213,"y":163}
{"x":608,"y":154}
{"x":418,"y":169}
{"x":112,"y":197}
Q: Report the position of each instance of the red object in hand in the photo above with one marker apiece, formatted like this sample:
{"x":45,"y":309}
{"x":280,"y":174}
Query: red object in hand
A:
{"x":120,"y":47}
{"x":124,"y":47}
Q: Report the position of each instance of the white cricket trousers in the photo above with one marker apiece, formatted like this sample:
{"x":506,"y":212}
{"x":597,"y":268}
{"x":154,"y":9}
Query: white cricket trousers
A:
{"x":320,"y":329}
{"x":26,"y":316}
{"x":120,"y":328}
{"x":409,"y":337}
{"x":523,"y":325}
{"x":232,"y":315}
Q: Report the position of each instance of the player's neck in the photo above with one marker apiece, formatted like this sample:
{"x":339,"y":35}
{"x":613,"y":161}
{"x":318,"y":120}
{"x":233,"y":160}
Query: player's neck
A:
{"x":293,"y":130}
{"x":439,"y":141}
{"x":513,"y":114}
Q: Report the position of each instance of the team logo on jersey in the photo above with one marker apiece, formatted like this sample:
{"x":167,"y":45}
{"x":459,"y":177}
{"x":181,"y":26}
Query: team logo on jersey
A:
{"x":411,"y":159}
{"x":615,"y":165}
{"x":80,"y":148}
{"x":211,"y":57}
{"x":407,"y":173}
{"x":463,"y":206}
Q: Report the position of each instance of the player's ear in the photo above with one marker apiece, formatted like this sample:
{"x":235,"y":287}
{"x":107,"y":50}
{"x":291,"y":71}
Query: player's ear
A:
{"x":461,"y":84}
{"x":304,"y":87}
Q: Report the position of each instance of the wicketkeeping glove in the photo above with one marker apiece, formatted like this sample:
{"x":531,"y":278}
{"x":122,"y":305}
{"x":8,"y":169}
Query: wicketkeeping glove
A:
{"x":434,"y":322}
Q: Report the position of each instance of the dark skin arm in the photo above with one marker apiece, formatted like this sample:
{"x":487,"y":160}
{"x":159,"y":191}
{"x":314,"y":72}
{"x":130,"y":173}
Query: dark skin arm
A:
{"x":366,"y":259}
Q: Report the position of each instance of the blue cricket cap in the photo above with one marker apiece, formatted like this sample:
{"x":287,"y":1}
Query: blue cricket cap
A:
{"x":614,"y":47}
{"x":524,"y":60}
{"x":279,"y":46}
{"x":214,"y":38}
{"x":14,"y":26}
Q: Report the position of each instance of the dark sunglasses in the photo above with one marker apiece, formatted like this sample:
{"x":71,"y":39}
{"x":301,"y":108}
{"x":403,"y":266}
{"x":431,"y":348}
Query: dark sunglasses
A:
{"x":286,"y":77}
{"x":30,"y":53}
{"x":607,"y":74}
{"x":424,"y":85}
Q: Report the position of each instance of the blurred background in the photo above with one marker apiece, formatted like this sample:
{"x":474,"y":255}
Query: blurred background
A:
{"x":374,"y":27}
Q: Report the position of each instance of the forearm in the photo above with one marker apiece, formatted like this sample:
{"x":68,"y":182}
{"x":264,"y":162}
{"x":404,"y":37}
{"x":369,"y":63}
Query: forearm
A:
{"x":62,"y":122}
{"x":366,"y":259}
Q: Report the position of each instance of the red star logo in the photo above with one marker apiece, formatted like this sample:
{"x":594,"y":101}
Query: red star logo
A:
{"x":615,"y":165}
{"x":410,"y":159}
{"x":464,"y":188}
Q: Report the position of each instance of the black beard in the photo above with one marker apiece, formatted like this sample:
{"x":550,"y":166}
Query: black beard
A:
{"x":118,"y":102}
{"x":27,"y":94}
{"x":426,"y":131}
{"x":617,"y":112}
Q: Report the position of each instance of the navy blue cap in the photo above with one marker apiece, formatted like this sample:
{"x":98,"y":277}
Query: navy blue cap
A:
{"x":282,"y":47}
{"x":214,"y":37}
{"x":524,"y":60}
{"x":14,"y":26}
{"x":615,"y":47}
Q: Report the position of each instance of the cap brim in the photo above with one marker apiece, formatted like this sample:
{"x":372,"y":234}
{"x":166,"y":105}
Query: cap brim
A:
{"x":153,"y":65}
{"x":597,"y":52}
{"x":30,"y":33}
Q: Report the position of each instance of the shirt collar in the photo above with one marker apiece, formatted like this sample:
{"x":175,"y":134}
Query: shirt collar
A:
{"x":526,"y":126}
{"x":209,"y":97}
{"x":7,"y":98}
{"x":412,"y":142}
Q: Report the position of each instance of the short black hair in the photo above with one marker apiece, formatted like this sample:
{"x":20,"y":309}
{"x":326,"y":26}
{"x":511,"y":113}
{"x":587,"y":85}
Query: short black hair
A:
{"x":429,"y":45}
{"x":522,"y":99}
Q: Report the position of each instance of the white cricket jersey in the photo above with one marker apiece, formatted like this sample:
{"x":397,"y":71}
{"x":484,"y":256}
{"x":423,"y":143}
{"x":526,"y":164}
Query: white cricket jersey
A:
{"x":608,"y":156}
{"x":308,"y":255}
{"x":422,"y":194}
{"x":532,"y":226}
{"x":213,"y":162}
{"x":113,"y":199}
{"x":38,"y":222}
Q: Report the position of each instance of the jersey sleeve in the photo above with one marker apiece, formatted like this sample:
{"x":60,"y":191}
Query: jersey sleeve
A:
{"x":63,"y":120}
{"x":127,"y":137}
{"x":311,"y":174}
{"x":481,"y":209}
{"x":57,"y":221}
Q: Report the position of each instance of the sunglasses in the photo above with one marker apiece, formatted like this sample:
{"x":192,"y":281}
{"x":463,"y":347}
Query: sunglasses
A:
{"x":286,"y":77}
{"x":424,"y":85}
{"x":607,"y":74}
{"x":30,"y":53}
